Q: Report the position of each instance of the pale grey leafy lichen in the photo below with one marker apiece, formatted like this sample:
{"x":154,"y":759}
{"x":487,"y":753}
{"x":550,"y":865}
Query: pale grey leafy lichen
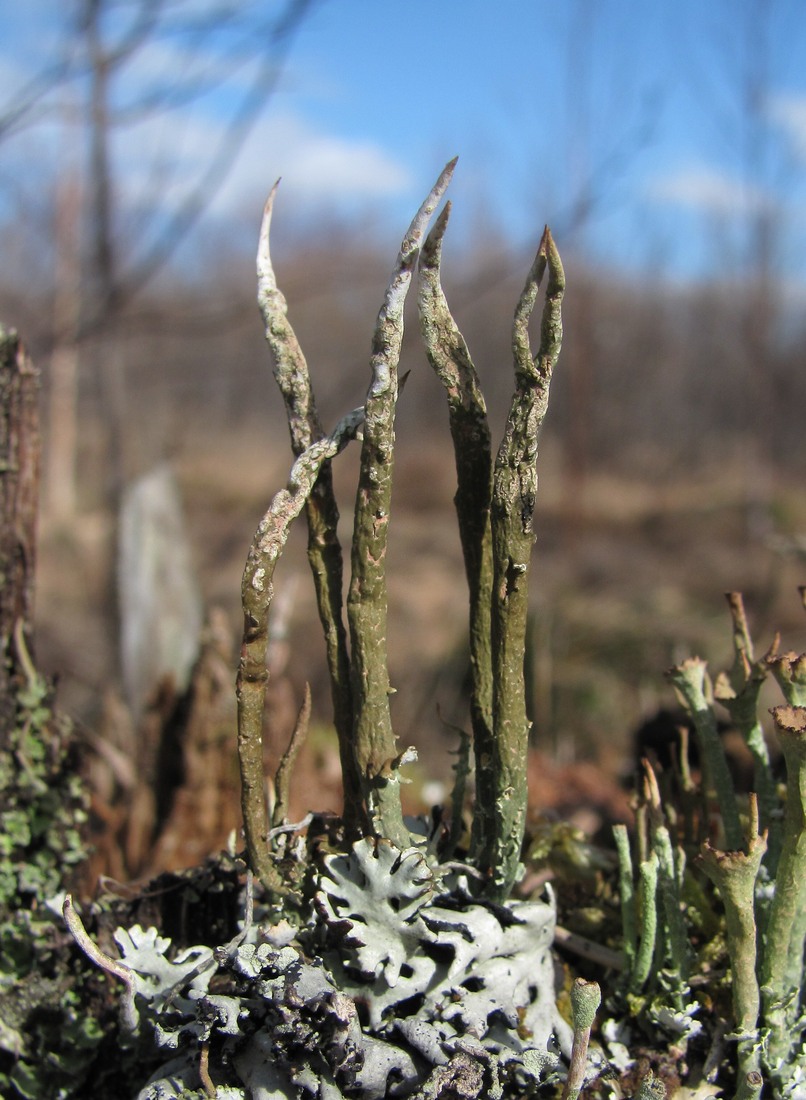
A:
{"x":401,"y":984}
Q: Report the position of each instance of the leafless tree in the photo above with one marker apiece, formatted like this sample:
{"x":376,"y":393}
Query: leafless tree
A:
{"x":103,"y":42}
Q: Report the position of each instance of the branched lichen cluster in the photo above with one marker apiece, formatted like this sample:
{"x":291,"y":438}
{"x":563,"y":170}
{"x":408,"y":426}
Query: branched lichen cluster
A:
{"x":751,"y":850}
{"x":495,"y":502}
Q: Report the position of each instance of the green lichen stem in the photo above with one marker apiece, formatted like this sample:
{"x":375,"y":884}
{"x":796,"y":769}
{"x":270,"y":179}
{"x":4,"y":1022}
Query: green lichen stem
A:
{"x":285,"y":769}
{"x":256,"y":595}
{"x":750,"y":1086}
{"x":782,"y":972}
{"x":670,"y":868}
{"x":789,"y":669}
{"x":373,"y":735}
{"x":449,"y":356}
{"x":585,"y":1000}
{"x":674,"y":924}
{"x":648,"y":919}
{"x":461,"y":771}
{"x":689,"y":679}
{"x":738,"y":691}
{"x":324,"y":549}
{"x":626,"y":896}
{"x":513,"y":501}
{"x":734,"y":875}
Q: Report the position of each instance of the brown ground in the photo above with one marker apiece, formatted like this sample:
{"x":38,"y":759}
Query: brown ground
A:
{"x":628,"y":578}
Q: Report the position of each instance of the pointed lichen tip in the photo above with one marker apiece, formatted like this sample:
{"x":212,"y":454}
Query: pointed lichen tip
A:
{"x":448,"y":171}
{"x":442,"y":220}
{"x":264,"y":265}
{"x":433,"y":243}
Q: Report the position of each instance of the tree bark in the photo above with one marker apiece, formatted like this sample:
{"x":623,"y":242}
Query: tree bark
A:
{"x":19,"y":489}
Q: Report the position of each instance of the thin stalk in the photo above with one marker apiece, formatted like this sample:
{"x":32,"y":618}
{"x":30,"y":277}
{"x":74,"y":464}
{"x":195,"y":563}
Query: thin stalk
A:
{"x":648,"y":918}
{"x":256,"y":595}
{"x":782,"y":968}
{"x":734,"y":875}
{"x":738,"y":691}
{"x":513,"y":501}
{"x":461,"y":771}
{"x":285,"y":769}
{"x":669,"y":884}
{"x":585,"y":1000}
{"x":322,"y":513}
{"x":689,"y":680}
{"x":373,"y":735}
{"x":626,"y":896}
{"x":75,"y":927}
{"x":449,"y":356}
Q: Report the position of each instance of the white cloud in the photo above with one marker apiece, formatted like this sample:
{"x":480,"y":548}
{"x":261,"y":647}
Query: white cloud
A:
{"x":709,"y":190}
{"x":160,"y":161}
{"x":788,"y":112}
{"x":318,"y":166}
{"x":321,"y":165}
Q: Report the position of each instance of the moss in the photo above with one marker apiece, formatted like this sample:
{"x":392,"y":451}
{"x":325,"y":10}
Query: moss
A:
{"x":46,"y":1034}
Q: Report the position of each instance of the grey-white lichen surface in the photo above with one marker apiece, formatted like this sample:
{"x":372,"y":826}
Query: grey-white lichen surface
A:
{"x":401,"y":984}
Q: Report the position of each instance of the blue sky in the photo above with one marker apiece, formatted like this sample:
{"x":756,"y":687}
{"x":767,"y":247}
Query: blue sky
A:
{"x":652,"y":135}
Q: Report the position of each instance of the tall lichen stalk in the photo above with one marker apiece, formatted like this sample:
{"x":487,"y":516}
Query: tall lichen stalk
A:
{"x":783,"y":979}
{"x":514,"y":495}
{"x":324,"y":548}
{"x":494,"y":503}
{"x":495,"y":507}
{"x":470,"y":430}
{"x":257,"y":591}
{"x":373,"y":735}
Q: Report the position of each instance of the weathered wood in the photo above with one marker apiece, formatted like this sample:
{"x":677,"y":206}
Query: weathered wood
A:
{"x":19,"y":494}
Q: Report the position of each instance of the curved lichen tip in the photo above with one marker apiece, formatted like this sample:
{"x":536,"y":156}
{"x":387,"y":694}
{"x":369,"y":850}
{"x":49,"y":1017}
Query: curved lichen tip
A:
{"x":556,"y":271}
{"x":265,"y":271}
{"x":432,"y":249}
{"x":541,"y":256}
{"x":526,"y":303}
{"x":416,"y":231}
